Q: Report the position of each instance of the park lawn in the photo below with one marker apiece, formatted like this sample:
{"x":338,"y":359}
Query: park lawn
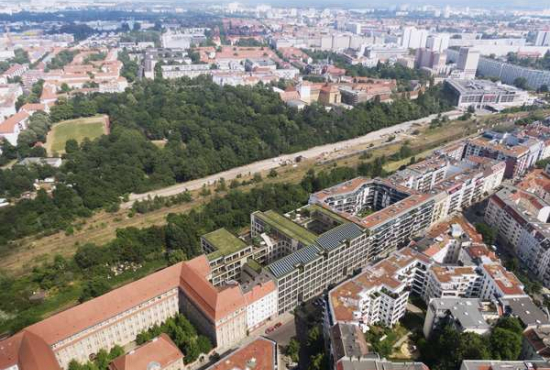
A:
{"x":77,"y":129}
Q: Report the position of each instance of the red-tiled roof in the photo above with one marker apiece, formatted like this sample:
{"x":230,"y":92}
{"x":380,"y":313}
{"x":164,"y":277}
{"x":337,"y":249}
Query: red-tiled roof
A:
{"x":258,"y":355}
{"x":160,"y":350}
{"x":8,"y":126}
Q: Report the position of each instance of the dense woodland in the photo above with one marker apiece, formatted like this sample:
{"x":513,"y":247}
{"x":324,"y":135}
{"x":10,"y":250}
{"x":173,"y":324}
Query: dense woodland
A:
{"x":208,"y":129}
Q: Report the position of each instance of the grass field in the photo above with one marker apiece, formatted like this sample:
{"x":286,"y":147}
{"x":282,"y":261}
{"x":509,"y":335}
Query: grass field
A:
{"x":76,"y":129}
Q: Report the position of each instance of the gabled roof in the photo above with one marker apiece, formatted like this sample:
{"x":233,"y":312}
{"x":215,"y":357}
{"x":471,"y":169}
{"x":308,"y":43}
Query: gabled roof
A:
{"x":8,"y":126}
{"x":28,"y":351}
{"x":97,"y":310}
{"x":214,"y":303}
{"x":160,"y":350}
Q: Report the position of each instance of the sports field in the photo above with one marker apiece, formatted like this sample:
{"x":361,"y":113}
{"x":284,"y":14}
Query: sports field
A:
{"x":78,"y":129}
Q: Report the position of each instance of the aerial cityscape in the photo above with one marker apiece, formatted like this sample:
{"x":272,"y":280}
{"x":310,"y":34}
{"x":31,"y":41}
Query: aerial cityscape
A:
{"x":273,"y":185}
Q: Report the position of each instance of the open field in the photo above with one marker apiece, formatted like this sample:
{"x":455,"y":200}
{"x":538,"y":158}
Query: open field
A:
{"x":102,"y":226}
{"x":77,"y":129}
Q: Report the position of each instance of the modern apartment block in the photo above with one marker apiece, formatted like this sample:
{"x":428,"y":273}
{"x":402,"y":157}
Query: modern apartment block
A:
{"x":521,"y":220}
{"x":357,"y":222}
{"x":468,"y":59}
{"x":116,"y":318}
{"x":516,"y":157}
{"x":380,"y":293}
{"x":507,"y":72}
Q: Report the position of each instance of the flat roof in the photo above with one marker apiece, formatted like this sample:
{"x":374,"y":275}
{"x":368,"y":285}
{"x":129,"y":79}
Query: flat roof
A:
{"x":225,"y":243}
{"x":467,"y":311}
{"x":288,"y":227}
{"x":526,"y":311}
{"x":330,"y":213}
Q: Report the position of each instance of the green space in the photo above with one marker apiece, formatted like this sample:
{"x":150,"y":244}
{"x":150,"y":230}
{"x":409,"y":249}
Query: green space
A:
{"x":333,"y":215}
{"x":287,"y":227}
{"x":75,"y":129}
{"x":224,"y":242}
{"x":254,"y":265}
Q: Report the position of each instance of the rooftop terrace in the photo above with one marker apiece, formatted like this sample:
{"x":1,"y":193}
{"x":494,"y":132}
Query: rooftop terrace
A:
{"x":288,"y":227}
{"x":224,"y":242}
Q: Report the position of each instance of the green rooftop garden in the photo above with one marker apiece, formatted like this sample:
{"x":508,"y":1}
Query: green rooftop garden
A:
{"x":288,"y":227}
{"x":333,"y":215}
{"x":224,"y":242}
{"x":254,"y":265}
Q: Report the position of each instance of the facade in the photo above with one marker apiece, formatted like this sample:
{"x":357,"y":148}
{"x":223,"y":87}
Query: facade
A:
{"x":516,"y":157}
{"x":114,"y":318}
{"x":485,"y":94}
{"x":507,"y":72}
{"x":12,"y":127}
{"x":520,"y":218}
{"x":414,"y":38}
{"x":380,"y":293}
{"x":468,"y":60}
{"x":432,"y":59}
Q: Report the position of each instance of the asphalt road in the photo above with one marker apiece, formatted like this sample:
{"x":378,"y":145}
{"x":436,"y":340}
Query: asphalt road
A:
{"x":271,"y":163}
{"x":283,"y":335}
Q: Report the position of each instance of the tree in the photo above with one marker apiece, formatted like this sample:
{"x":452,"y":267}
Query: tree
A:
{"x":257,"y":177}
{"x":88,"y":255}
{"x":71,"y":146}
{"x":318,"y":362}
{"x":510,"y":323}
{"x":94,"y":288}
{"x":474,"y":347}
{"x":272,"y":173}
{"x":487,"y":232}
{"x":505,"y":344}
{"x":204,"y":344}
{"x":293,"y":349}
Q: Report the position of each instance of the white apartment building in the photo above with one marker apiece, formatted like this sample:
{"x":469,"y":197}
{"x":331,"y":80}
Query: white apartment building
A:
{"x":452,"y":281}
{"x":499,"y":283}
{"x":380,"y":293}
{"x":414,"y":38}
{"x":510,"y":210}
{"x":468,"y":60}
{"x":261,"y":305}
{"x":543,"y":38}
{"x":438,"y":42}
